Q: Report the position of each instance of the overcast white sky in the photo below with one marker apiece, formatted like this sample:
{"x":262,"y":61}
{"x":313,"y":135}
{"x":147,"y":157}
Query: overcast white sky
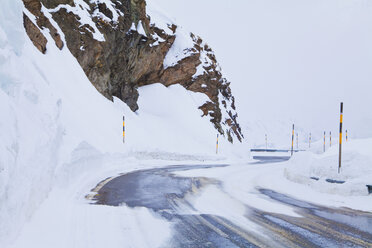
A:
{"x":290,"y":60}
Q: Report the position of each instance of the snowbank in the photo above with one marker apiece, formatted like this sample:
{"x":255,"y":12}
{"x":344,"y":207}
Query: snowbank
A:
{"x":315,"y":169}
{"x":241,"y":183}
{"x":69,"y":218}
{"x":55,"y":126}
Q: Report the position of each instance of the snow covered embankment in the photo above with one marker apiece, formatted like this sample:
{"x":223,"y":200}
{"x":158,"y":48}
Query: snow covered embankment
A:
{"x":356,"y":171}
{"x":46,"y":122}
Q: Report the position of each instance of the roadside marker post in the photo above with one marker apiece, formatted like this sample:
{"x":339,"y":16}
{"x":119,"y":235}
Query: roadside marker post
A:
{"x":346,"y":135}
{"x":309,"y":140}
{"x":217,"y":145}
{"x":324,"y":142}
{"x":292,"y":139}
{"x":330,"y":139}
{"x":123,"y":129}
{"x":340,"y":148}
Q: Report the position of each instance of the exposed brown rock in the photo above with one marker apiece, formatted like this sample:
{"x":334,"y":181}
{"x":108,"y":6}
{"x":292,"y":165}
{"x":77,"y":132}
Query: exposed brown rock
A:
{"x":126,"y":59}
{"x":34,"y":6}
{"x":37,"y":38}
{"x":182,"y":72}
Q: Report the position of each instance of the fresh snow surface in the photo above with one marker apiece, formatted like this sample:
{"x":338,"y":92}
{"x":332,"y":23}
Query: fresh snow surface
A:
{"x":140,"y":29}
{"x":157,"y":17}
{"x":180,"y":49}
{"x":241,"y":181}
{"x":60,"y":137}
{"x":356,"y":169}
{"x":49,"y":110}
{"x":80,"y":224}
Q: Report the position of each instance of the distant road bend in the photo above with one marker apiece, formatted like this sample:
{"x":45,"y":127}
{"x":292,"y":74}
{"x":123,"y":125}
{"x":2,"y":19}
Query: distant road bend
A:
{"x":163,"y":193}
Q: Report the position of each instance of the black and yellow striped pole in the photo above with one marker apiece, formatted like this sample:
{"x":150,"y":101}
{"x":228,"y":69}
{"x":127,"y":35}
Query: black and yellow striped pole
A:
{"x":123,"y":129}
{"x":346,"y":135}
{"x":292,"y":139}
{"x":324,"y":142}
{"x":309,"y":140}
{"x":340,"y":148}
{"x":217,"y":145}
{"x":330,"y":139}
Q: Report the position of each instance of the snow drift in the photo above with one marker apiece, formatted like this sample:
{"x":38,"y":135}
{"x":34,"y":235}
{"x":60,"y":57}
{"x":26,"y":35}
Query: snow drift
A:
{"x":315,"y":169}
{"x":51,"y":116}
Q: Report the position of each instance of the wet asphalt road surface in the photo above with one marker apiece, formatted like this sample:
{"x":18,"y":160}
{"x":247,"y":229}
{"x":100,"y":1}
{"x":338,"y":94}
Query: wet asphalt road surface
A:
{"x":164,"y":193}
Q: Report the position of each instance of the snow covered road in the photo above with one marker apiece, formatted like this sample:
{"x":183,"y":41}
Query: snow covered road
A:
{"x":203,"y":212}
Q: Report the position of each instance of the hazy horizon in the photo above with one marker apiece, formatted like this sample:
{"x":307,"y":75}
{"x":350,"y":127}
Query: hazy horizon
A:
{"x":291,"y":61}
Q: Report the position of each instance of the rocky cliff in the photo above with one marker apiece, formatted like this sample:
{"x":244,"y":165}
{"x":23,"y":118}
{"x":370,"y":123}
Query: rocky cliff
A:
{"x":122,"y":47}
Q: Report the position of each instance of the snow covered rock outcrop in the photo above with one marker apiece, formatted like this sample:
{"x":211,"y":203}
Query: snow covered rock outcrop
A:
{"x":121,"y":48}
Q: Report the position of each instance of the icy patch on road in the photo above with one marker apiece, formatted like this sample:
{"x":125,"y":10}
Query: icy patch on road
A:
{"x":240,"y":183}
{"x":213,"y":201}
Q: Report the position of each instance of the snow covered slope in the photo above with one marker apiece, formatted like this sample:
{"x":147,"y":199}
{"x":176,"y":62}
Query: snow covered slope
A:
{"x":55,"y":128}
{"x":51,"y":116}
{"x":121,"y":48}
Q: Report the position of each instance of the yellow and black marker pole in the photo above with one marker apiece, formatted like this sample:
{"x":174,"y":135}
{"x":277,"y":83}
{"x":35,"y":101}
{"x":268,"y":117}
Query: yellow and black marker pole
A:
{"x":340,"y":148}
{"x":292,"y":139}
{"x":123,"y":129}
{"x":330,"y":139}
{"x":324,"y":142}
{"x":309,"y":140}
{"x":346,"y":135}
{"x":217,"y":145}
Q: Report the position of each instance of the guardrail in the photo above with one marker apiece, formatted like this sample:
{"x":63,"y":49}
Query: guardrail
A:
{"x":274,"y":150}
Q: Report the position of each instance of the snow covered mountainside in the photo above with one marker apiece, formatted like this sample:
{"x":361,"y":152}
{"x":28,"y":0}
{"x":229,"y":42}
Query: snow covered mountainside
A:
{"x":71,"y":69}
{"x":123,"y":45}
{"x":52,"y":118}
